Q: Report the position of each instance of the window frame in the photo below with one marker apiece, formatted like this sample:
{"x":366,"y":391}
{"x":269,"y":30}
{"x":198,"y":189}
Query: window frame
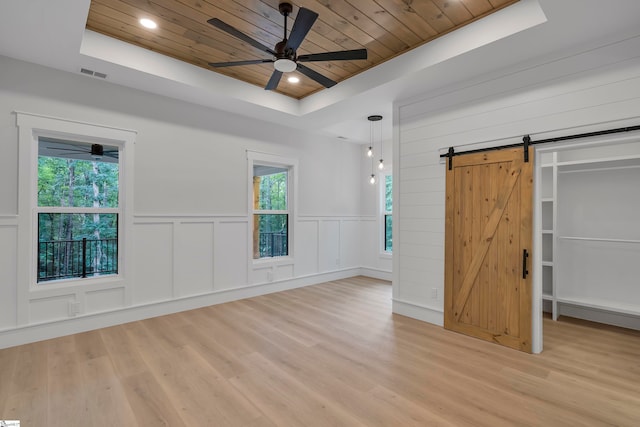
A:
{"x":30,"y":128}
{"x":263,"y":159}
{"x":383,"y":212}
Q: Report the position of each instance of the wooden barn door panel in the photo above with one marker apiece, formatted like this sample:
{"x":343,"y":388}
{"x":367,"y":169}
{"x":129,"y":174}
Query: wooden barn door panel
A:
{"x":488,"y":225}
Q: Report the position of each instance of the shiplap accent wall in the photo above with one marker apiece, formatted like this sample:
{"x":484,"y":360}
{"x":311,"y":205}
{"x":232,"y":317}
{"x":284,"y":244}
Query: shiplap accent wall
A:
{"x":191,"y":226}
{"x":594,"y":90}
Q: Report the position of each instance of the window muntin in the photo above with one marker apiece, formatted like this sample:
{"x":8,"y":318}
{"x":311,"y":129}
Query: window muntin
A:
{"x":270,"y":211}
{"x":388,"y":216}
{"x":77,"y":210}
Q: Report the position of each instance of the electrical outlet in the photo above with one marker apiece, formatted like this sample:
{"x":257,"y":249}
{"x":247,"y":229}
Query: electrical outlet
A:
{"x":434,"y":293}
{"x":74,"y":308}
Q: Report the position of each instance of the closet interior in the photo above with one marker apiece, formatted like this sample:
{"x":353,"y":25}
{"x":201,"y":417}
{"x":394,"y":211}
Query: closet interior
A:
{"x":590,"y":220}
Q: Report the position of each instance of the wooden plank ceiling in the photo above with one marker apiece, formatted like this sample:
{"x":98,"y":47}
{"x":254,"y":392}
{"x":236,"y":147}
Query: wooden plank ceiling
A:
{"x":386,"y":28}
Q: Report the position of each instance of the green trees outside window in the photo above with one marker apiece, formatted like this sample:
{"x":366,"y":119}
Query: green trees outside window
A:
{"x":388,"y":217}
{"x":77,"y":216}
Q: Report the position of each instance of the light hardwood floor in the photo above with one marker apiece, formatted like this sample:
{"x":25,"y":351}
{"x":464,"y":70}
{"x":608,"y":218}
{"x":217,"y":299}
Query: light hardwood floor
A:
{"x":325,"y":355}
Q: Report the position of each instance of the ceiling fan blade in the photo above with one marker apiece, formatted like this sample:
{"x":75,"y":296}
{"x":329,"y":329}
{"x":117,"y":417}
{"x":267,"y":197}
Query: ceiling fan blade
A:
{"x":239,"y":35}
{"x":274,"y":80}
{"x":72,"y":153}
{"x":303,"y":23}
{"x":67,"y":151}
{"x":233,"y":64}
{"x":324,"y":81}
{"x":343,"y":55}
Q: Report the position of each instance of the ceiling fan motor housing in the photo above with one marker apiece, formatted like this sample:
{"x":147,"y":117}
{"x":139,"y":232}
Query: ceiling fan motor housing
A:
{"x":285,"y":8}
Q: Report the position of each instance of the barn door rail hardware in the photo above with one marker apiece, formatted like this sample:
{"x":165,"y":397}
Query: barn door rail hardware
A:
{"x":526,"y":142}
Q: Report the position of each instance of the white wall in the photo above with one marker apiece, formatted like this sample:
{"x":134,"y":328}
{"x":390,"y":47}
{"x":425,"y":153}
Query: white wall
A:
{"x":594,"y":90}
{"x":190,"y":215}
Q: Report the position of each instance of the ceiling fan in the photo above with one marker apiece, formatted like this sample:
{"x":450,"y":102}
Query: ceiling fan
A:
{"x":284,"y":56}
{"x":96,"y":151}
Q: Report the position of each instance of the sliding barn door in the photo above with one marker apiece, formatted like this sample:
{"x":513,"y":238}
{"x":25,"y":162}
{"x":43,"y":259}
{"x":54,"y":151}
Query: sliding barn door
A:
{"x":487,"y":243}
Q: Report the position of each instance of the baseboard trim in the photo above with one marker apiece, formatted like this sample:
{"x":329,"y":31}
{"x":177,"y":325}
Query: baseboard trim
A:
{"x":600,"y":316}
{"x":418,"y":311}
{"x":376,"y":273}
{"x":38,"y":332}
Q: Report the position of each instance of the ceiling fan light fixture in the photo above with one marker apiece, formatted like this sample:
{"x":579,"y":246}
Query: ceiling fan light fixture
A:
{"x":148,"y":23}
{"x":285,"y":65}
{"x":293,"y":79}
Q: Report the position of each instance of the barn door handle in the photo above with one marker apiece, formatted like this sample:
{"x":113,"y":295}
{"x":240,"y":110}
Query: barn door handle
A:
{"x":525,"y":255}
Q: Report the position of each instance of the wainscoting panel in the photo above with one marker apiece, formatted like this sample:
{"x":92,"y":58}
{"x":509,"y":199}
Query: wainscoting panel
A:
{"x":350,"y":243}
{"x":153,"y":260}
{"x":8,"y":279}
{"x":50,"y":308}
{"x":230,"y":254}
{"x":306,"y":236}
{"x":284,"y":272}
{"x":194,"y":245}
{"x":103,"y":300}
{"x":329,"y":248}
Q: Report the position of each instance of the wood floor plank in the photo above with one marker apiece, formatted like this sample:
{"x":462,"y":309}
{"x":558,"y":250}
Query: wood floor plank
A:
{"x":122,"y":351}
{"x":286,"y":400}
{"x":67,"y":397}
{"x":150,"y":405}
{"x":330,"y":354}
{"x":107,"y":403}
{"x":27,"y":396}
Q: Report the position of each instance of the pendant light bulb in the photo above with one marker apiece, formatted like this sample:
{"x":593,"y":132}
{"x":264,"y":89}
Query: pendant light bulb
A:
{"x":381,"y":165}
{"x":370,"y":152}
{"x":372,"y":179}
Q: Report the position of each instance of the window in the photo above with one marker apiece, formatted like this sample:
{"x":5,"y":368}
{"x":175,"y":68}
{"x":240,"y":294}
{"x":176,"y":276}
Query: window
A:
{"x":74,"y":183}
{"x":271,"y":210}
{"x":77,"y":209}
{"x":387,"y":214}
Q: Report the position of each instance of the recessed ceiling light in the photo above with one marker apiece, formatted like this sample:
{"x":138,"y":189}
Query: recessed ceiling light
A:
{"x":148,"y":23}
{"x":293,"y":79}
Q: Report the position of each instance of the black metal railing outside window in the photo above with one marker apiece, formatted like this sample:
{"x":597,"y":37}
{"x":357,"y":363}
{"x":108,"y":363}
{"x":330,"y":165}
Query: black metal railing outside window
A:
{"x":273,"y":244}
{"x":388,"y":236}
{"x":64,"y":259}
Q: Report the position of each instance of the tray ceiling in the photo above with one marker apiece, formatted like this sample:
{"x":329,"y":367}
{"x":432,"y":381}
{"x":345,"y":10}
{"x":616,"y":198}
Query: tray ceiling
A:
{"x":386,"y":28}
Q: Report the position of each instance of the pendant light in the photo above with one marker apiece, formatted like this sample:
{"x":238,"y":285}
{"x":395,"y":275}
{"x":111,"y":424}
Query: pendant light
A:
{"x":372,"y":119}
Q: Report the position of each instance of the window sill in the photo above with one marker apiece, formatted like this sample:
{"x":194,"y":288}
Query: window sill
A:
{"x":269,"y":262}
{"x":70,"y":285}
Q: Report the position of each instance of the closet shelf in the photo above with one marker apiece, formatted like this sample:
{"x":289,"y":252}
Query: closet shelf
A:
{"x":619,"y":162}
{"x":599,"y":239}
{"x":547,"y":231}
{"x":599,"y":304}
{"x":547,"y":297}
{"x":547,"y":263}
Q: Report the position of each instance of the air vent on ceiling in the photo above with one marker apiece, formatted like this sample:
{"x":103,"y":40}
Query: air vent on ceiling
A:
{"x":93,"y":73}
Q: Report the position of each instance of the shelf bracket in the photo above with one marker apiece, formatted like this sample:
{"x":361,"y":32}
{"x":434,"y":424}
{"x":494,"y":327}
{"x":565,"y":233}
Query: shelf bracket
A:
{"x":450,"y":156}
